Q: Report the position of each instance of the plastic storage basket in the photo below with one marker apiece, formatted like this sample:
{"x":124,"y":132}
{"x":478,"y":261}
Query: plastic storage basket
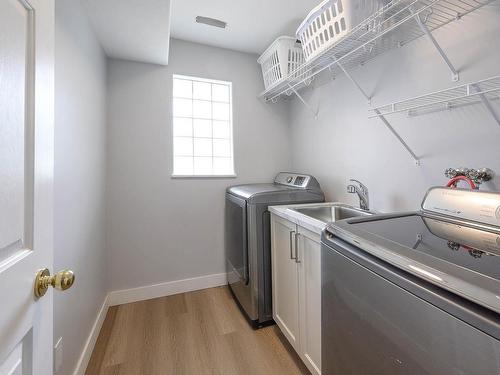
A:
{"x":330,"y":21}
{"x":281,"y":60}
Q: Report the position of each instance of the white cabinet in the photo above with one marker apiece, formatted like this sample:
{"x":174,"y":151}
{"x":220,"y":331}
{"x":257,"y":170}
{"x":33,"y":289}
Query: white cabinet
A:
{"x":296,"y":275}
{"x":309,"y":254}
{"x":285,"y":279}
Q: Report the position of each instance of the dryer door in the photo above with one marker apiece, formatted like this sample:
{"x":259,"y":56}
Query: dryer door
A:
{"x":236,"y":239}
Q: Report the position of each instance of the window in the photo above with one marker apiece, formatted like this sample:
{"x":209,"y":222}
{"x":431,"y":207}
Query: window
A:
{"x":202,"y":127}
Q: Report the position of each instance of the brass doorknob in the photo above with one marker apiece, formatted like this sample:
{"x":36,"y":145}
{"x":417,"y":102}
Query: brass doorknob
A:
{"x":61,"y":281}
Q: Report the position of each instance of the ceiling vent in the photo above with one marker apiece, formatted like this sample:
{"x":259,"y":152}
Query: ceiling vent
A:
{"x":211,"y":22}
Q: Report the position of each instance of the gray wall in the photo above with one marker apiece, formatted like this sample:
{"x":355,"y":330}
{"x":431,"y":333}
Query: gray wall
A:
{"x":80,"y":129}
{"x":162,"y":229}
{"x":343,"y":143}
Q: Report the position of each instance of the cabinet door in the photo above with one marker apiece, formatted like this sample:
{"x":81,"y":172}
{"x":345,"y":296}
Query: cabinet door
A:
{"x":285,"y":279}
{"x":309,"y":256}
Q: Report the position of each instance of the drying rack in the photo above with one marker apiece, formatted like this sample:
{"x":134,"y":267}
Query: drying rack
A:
{"x":396,"y":24}
{"x":484,"y":91}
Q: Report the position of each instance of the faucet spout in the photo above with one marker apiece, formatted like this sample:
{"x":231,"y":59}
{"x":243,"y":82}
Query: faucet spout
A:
{"x":362,"y":192}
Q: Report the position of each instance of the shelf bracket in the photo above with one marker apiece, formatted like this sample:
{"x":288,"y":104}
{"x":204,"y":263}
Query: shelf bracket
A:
{"x":354,"y":82}
{"x":309,"y":107}
{"x":490,"y":108}
{"x":425,"y":30}
{"x":395,"y":133}
{"x":488,"y":105}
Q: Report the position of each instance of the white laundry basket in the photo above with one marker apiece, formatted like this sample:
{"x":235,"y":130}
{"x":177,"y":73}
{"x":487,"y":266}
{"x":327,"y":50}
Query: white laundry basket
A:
{"x":330,"y":21}
{"x":280,"y":60}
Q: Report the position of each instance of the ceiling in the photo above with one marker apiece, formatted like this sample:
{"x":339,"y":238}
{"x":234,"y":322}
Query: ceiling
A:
{"x":137,"y":30}
{"x":252,"y":25}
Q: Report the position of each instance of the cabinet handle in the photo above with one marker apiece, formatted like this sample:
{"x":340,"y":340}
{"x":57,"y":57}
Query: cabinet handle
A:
{"x":297,"y":260}
{"x":292,"y":232}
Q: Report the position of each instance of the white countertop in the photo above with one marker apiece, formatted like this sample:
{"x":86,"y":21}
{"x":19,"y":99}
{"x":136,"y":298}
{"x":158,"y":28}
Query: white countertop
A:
{"x":286,"y":212}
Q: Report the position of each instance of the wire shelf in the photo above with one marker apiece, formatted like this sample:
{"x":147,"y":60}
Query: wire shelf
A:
{"x":471,"y":93}
{"x":391,"y":27}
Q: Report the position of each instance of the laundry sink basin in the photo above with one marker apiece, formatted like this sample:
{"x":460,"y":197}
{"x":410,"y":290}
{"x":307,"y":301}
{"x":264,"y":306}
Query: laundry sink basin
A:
{"x":328,"y":214}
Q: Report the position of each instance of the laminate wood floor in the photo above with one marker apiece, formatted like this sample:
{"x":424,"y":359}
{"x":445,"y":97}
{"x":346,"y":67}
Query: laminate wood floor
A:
{"x":201,"y":332}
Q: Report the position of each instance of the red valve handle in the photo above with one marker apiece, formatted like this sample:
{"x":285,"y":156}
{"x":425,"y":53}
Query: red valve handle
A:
{"x":453,"y":182}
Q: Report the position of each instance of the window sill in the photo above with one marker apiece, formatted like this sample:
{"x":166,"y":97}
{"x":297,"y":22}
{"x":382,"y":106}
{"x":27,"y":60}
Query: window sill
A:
{"x":204,"y":177}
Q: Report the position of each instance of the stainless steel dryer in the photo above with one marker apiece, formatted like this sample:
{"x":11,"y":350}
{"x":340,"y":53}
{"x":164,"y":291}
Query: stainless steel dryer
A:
{"x":247,"y":237}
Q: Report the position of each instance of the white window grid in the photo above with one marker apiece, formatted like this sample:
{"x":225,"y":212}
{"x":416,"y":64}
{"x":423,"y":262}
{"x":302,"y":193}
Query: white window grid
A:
{"x":231,"y":172}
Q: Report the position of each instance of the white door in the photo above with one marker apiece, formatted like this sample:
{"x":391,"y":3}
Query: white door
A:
{"x":26,"y":175}
{"x":309,"y":254}
{"x":285,"y":279}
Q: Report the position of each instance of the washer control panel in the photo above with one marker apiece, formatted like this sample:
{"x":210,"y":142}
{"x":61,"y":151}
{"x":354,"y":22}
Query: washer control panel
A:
{"x":479,"y":206}
{"x":293,"y":179}
{"x":299,"y":181}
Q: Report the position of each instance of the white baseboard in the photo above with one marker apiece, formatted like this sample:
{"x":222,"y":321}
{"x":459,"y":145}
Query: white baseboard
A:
{"x":120,"y":297}
{"x":84,"y":359}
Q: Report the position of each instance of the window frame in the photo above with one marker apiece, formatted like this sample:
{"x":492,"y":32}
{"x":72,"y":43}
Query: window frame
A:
{"x":231,"y":128}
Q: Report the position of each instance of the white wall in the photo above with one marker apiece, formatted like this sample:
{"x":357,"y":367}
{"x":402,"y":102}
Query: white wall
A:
{"x":162,"y":229}
{"x":80,"y":129}
{"x":343,"y":143}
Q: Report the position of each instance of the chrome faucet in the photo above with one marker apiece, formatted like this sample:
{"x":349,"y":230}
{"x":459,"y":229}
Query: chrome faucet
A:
{"x":362,"y":191}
